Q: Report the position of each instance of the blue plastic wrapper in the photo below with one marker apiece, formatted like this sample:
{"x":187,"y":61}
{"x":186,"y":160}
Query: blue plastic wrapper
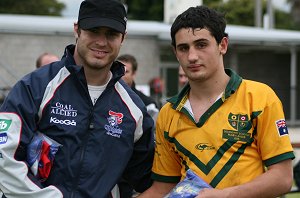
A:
{"x":189,"y":187}
{"x":40,"y":155}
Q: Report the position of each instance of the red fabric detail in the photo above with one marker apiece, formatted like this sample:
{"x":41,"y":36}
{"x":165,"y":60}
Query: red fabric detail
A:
{"x":45,"y":163}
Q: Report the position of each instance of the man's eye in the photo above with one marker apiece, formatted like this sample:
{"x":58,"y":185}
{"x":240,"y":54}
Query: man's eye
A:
{"x":112,"y":33}
{"x":93,"y":30}
{"x":183,"y":49}
{"x":201,"y":45}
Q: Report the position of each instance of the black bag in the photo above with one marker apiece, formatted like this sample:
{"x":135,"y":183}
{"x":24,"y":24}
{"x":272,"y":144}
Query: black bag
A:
{"x":296,"y":171}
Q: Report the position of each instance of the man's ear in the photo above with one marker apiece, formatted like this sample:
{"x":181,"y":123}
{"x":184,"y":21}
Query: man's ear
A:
{"x":123,"y":37}
{"x":76,"y":30}
{"x":223,"y":45}
{"x":174,"y":51}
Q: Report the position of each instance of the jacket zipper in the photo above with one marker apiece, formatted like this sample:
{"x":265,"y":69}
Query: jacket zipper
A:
{"x":75,"y":183}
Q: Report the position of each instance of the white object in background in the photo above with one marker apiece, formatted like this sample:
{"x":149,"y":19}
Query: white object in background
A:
{"x":145,"y":89}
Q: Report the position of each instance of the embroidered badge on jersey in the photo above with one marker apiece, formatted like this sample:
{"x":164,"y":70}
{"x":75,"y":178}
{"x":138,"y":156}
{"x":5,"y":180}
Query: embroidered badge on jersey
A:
{"x":114,"y":120}
{"x":241,"y":124}
{"x":281,"y":127}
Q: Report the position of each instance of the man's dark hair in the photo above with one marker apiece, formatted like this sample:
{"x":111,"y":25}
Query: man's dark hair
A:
{"x":200,"y":17}
{"x":129,"y":59}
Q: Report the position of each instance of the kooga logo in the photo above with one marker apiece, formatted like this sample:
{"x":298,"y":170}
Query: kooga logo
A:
{"x":64,"y":122}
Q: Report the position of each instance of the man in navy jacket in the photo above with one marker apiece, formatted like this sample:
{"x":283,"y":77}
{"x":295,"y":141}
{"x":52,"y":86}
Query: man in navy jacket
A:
{"x":81,"y":103}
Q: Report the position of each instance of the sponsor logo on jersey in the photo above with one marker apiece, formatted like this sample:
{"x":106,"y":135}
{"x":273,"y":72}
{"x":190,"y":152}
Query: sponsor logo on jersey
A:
{"x":4,"y":124}
{"x":63,"y":122}
{"x":281,"y":127}
{"x":63,"y":110}
{"x":114,"y":120}
{"x":241,"y":125}
{"x":204,"y":146}
{"x":3,"y":138}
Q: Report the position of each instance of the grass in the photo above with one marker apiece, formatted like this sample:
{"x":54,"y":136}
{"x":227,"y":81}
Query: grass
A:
{"x":294,"y":195}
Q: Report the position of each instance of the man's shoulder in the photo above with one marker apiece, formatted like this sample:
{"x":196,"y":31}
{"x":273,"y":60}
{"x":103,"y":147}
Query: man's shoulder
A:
{"x":256,"y":87}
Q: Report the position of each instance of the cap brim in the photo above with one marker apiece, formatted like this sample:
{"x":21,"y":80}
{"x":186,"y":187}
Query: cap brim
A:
{"x":89,"y":23}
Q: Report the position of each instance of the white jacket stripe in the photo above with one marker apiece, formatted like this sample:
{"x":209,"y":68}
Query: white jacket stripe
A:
{"x":17,"y":185}
{"x":52,"y":86}
{"x":134,"y":110}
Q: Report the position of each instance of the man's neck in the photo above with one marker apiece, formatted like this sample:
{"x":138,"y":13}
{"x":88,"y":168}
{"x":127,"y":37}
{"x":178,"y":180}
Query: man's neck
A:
{"x":209,"y":89}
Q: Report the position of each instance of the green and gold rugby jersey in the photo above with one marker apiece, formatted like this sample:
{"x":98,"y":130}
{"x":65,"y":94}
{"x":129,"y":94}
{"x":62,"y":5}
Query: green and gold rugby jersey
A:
{"x":235,"y":139}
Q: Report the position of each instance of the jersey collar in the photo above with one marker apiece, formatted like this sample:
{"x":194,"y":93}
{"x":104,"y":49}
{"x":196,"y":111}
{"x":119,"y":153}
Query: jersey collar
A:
{"x":179,"y":100}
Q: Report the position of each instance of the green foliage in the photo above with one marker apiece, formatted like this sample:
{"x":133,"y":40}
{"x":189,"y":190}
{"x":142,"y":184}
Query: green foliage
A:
{"x":145,"y":9}
{"x":212,"y":3}
{"x":242,"y":13}
{"x":242,"y":16}
{"x":285,"y":21}
{"x":32,"y":7}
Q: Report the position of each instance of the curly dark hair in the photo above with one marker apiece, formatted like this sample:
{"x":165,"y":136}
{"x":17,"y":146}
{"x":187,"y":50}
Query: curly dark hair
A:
{"x":200,"y":17}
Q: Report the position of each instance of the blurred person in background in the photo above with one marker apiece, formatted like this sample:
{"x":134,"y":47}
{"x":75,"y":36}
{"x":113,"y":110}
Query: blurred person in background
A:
{"x":156,"y":85}
{"x":182,"y":78}
{"x":45,"y":59}
{"x":131,"y":67}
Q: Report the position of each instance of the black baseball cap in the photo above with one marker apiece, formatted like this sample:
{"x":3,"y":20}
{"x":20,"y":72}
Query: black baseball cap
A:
{"x":102,"y":13}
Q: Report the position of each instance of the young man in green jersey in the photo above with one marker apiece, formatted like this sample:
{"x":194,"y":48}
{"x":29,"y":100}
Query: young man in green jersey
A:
{"x":231,"y":132}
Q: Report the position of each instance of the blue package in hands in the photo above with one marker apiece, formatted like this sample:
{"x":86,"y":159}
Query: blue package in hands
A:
{"x":189,"y":187}
{"x":40,"y":155}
